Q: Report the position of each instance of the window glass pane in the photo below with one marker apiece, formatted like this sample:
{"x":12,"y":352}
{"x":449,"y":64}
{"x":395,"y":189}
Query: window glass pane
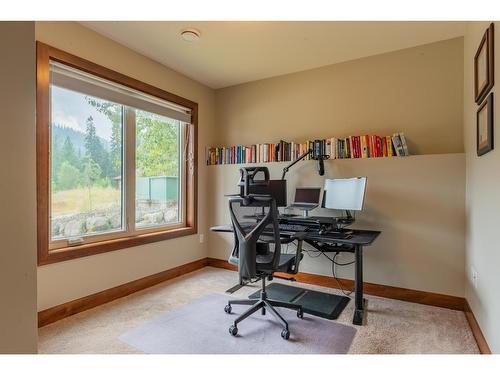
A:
{"x":157,"y":170}
{"x":86,"y":165}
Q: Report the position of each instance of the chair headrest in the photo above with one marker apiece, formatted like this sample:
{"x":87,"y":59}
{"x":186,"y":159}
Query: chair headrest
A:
{"x":253,"y":176}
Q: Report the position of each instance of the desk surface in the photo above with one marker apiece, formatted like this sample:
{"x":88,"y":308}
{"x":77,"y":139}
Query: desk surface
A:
{"x":358,"y":236}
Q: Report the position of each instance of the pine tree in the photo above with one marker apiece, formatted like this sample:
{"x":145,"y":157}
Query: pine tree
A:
{"x":95,"y":150}
{"x":68,"y":153}
{"x":116,"y":149}
{"x":56,"y":161}
{"x":91,"y":140}
{"x":114,"y":113}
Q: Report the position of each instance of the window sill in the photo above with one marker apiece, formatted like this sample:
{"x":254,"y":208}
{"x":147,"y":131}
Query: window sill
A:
{"x":73,"y":252}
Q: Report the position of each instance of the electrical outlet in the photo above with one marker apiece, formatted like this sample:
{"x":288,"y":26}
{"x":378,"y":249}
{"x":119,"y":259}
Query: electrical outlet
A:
{"x":473,"y":275}
{"x":202,"y":238}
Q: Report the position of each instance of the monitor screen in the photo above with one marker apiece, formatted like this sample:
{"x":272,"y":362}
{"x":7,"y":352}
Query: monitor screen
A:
{"x":345,"y":193}
{"x":307,"y":195}
{"x":276,"y":188}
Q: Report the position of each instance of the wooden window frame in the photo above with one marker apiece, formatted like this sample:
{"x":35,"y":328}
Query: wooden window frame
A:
{"x":45,"y":54}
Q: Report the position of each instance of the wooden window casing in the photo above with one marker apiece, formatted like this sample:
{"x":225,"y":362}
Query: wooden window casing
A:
{"x":46,"y":255}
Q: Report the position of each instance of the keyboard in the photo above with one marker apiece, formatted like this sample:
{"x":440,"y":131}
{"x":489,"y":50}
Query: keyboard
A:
{"x":303,"y":206}
{"x":337,"y":235}
{"x":293,"y":228}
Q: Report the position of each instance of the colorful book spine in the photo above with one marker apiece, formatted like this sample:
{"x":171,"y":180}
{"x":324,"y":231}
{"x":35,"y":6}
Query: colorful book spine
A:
{"x":354,"y":149}
{"x":403,"y":143}
{"x":364,"y":149}
{"x":378,"y":146}
{"x":351,"y":147}
{"x":398,"y":146}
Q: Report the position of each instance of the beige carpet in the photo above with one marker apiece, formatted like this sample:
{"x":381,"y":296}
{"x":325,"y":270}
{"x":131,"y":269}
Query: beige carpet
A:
{"x":391,"y":327}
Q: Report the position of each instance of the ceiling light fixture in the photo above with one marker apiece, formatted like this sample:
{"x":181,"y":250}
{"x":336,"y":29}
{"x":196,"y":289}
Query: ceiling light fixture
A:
{"x":190,"y":35}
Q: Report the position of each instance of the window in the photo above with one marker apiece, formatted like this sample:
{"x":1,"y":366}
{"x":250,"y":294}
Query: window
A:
{"x":86,"y":166}
{"x":116,"y":160}
{"x":158,"y":167}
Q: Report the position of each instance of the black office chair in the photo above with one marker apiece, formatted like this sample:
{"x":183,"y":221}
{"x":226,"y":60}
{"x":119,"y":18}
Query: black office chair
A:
{"x":259,"y":256}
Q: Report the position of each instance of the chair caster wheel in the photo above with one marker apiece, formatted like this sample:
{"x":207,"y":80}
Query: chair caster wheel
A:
{"x":285,"y":334}
{"x":227,"y":309}
{"x":300,"y":314}
{"x":233,"y":330}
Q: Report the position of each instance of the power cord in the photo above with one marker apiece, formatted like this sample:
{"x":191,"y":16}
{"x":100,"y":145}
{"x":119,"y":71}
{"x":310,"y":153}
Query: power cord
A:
{"x":309,"y":251}
{"x":317,"y":254}
{"x":334,"y":263}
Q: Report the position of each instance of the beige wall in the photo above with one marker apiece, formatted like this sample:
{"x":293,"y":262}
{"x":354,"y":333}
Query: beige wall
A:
{"x":416,"y":90}
{"x":417,"y":202}
{"x":482,"y":200}
{"x":18,"y":319}
{"x":62,"y":282}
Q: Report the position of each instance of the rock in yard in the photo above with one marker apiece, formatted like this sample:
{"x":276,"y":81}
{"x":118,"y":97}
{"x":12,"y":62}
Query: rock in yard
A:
{"x":56,"y":228}
{"x":97,"y":224}
{"x":153,"y":218}
{"x":171,"y":215}
{"x":116,"y":221}
{"x":73,"y":228}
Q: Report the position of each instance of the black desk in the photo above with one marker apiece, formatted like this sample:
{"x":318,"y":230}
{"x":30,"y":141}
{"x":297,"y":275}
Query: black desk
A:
{"x":332,"y":243}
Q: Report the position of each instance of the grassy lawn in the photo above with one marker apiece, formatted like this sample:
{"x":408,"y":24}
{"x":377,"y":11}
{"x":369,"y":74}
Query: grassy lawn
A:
{"x":79,"y":200}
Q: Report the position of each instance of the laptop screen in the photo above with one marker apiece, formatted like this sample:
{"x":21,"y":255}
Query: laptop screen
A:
{"x":307,"y":195}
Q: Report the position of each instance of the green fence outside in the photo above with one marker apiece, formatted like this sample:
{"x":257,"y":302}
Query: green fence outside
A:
{"x":157,"y":188}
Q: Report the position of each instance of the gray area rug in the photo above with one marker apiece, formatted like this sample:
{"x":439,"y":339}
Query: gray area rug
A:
{"x":201,"y":327}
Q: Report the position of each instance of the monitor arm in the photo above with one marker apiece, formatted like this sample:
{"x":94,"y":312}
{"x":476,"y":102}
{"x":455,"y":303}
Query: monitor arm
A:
{"x":346,"y":220}
{"x":285,"y":170}
{"x":319,"y":158}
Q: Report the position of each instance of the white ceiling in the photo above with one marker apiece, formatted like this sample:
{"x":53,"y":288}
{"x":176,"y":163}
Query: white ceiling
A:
{"x":230,"y":53}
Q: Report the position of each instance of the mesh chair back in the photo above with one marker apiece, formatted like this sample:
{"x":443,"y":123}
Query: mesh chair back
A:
{"x":252,"y":228}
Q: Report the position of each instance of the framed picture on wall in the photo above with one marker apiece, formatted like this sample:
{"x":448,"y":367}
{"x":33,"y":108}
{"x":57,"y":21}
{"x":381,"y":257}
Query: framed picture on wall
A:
{"x":484,"y":123}
{"x":483,"y":66}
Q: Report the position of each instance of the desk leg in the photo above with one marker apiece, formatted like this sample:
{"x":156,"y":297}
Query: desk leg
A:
{"x":359,"y":309}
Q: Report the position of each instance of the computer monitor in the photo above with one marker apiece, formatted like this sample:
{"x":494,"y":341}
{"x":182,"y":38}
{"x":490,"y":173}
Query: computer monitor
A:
{"x":345,"y":193}
{"x":275,"y":188}
{"x":307,"y":195}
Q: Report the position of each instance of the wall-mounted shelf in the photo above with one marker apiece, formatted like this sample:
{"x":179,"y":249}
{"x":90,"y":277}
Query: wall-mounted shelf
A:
{"x":353,"y":147}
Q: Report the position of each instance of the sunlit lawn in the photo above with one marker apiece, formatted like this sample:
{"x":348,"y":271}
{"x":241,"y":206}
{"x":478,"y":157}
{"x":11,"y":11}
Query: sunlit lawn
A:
{"x":79,"y":200}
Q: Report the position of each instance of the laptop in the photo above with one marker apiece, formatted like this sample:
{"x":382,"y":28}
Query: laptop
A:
{"x":306,"y":198}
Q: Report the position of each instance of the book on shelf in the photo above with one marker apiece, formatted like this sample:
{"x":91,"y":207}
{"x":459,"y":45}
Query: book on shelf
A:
{"x":405,"y":146}
{"x":352,"y":147}
{"x":400,"y":145}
